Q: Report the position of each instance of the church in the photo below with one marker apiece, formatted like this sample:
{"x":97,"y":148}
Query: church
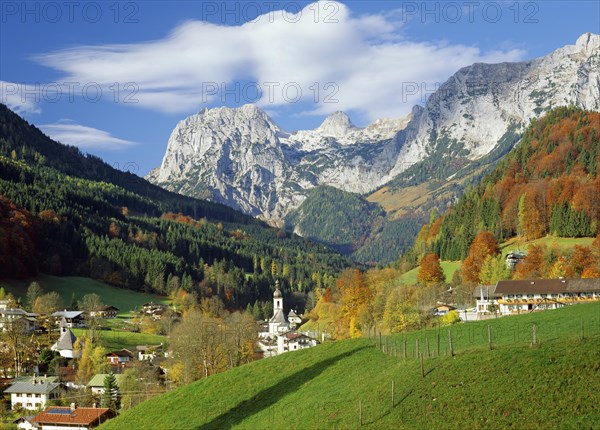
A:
{"x":278,"y":322}
{"x":281,"y":335}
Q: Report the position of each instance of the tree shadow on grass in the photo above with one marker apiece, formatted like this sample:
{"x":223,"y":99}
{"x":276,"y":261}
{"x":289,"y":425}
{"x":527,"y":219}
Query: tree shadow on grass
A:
{"x":273,"y":394}
{"x":385,"y":414}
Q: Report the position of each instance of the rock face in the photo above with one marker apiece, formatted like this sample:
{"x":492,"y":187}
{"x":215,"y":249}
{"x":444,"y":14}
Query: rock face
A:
{"x":241,"y":158}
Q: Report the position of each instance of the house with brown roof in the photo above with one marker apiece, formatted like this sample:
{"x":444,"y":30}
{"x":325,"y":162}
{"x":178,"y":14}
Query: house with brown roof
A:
{"x":107,"y":312}
{"x":527,"y":295}
{"x":120,"y":357}
{"x":64,"y":417}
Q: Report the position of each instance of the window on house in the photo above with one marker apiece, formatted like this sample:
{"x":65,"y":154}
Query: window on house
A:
{"x":530,"y":296}
{"x":544,"y":296}
{"x":511,"y":296}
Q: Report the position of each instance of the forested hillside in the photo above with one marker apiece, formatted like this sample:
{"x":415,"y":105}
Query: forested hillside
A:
{"x":548,"y":184}
{"x":66,"y":213}
{"x":340,"y":219}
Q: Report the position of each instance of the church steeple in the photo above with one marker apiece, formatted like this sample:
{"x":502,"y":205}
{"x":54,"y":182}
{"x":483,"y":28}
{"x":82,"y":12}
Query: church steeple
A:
{"x":277,"y":298}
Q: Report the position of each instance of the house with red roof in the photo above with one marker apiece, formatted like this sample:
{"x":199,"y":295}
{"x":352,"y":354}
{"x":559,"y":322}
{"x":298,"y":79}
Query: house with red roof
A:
{"x":69,"y":418}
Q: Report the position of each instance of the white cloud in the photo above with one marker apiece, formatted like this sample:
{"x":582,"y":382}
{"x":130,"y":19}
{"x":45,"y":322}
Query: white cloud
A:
{"x":71,"y":133}
{"x":366,"y":57}
{"x":17,"y":98}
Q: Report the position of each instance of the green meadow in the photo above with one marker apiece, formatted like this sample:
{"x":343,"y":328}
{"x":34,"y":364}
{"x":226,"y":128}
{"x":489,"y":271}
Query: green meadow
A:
{"x":553,"y":383}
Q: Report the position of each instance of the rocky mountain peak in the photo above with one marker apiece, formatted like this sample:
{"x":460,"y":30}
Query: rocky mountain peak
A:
{"x":588,"y":42}
{"x":337,"y":124}
{"x":240,"y":157}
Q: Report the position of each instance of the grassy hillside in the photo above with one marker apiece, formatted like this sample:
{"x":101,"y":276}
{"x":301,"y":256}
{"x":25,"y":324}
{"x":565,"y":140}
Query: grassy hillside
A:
{"x":449,"y":267}
{"x":125,"y":300}
{"x":559,"y":243}
{"x":514,"y":385}
{"x":118,"y":339}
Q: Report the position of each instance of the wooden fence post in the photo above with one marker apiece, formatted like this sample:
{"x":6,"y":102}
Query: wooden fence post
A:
{"x":360,"y":413}
{"x":405,"y":348}
{"x":392,"y":394}
{"x":534,"y":339}
{"x":422,"y":367}
{"x":427,"y":344}
{"x":490,"y":336}
{"x":450,"y":343}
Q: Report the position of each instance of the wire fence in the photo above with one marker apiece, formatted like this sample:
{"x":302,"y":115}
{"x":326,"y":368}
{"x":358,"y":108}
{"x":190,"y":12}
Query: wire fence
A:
{"x":532,"y":329}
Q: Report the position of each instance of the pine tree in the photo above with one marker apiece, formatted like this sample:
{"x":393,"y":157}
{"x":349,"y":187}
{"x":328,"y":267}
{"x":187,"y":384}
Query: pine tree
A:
{"x":111,"y":396}
{"x":74,"y":304}
{"x":257,"y":311}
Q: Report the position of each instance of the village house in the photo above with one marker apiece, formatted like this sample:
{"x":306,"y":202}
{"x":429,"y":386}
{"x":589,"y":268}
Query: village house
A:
{"x":67,"y":375}
{"x":96,"y":384}
{"x":24,"y":423}
{"x":514,"y":257}
{"x":516,"y":296}
{"x":34,"y":392}
{"x":107,"y":312}
{"x":441,"y":310}
{"x":72,"y":318}
{"x":120,"y":357}
{"x":148,"y":352}
{"x":71,"y":418}
{"x":486,"y":300}
{"x":294,"y":319}
{"x":294,"y":342}
{"x":10,"y":316}
{"x":151,"y":307}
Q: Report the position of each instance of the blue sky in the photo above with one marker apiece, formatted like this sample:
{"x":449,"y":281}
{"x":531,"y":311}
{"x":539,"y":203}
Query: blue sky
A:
{"x":115,"y":77}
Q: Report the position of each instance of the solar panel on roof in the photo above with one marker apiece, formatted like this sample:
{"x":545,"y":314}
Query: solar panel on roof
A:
{"x":60,"y":411}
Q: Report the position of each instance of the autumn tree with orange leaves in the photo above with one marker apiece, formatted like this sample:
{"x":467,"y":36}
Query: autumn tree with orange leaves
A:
{"x":430,"y":270}
{"x":533,"y":265}
{"x":483,"y":246}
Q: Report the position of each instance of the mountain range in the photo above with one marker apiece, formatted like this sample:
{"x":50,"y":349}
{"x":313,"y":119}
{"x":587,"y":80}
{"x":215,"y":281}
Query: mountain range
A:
{"x":240,"y":157}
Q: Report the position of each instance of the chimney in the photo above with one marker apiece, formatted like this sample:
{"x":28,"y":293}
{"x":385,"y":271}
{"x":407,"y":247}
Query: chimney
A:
{"x":72,"y":407}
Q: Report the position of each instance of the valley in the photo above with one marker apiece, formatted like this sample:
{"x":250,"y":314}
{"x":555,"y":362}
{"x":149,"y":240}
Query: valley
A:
{"x":328,"y":215}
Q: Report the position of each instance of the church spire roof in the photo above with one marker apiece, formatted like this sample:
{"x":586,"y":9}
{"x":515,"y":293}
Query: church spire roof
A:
{"x":277,"y":293}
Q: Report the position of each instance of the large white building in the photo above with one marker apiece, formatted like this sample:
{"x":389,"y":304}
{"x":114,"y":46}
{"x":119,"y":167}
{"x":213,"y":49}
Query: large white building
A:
{"x":516,"y":296}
